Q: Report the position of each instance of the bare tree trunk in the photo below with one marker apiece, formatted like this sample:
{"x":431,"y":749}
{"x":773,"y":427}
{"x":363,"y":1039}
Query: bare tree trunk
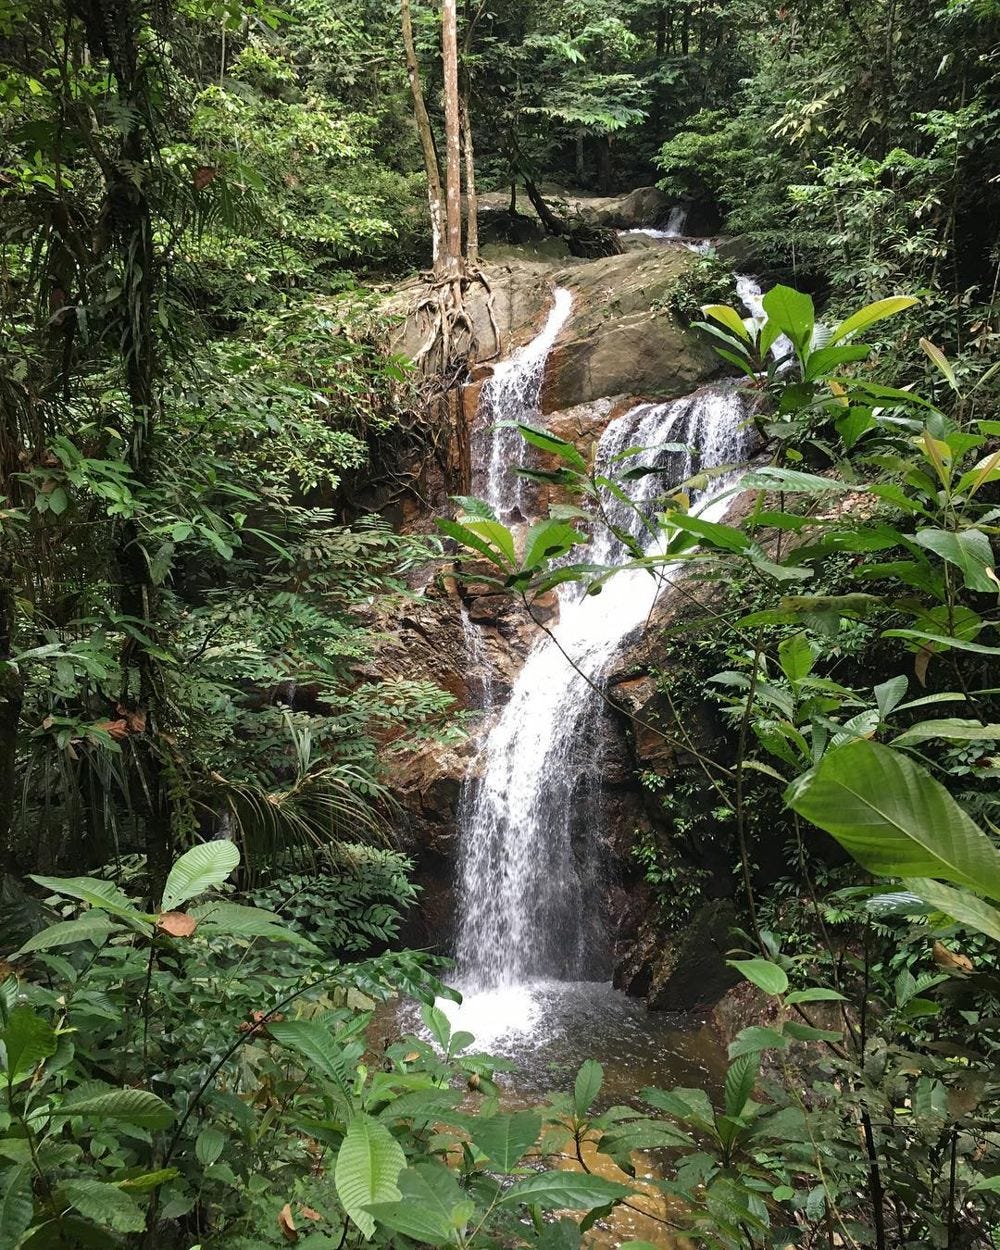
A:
{"x":471,"y":198}
{"x":434,"y":196}
{"x":452,"y":138}
{"x":11,"y":694}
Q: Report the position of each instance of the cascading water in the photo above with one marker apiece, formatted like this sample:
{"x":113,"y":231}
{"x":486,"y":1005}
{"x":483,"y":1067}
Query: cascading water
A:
{"x":512,"y":394}
{"x":530,"y":837}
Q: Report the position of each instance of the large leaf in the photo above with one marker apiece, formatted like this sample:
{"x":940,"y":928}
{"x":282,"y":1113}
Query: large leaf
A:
{"x":728,"y":317}
{"x":198,"y":871}
{"x":27,"y":1040}
{"x":740,"y":1080}
{"x":315,"y":1044}
{"x":968,"y":550}
{"x":94,"y":927}
{"x":368,"y":1167}
{"x":762,"y":973}
{"x":588,"y":1084}
{"x":576,"y":1191}
{"x":218,"y":919}
{"x":104,"y":895}
{"x":505,"y":1138}
{"x":791,"y":313}
{"x":432,"y":1209}
{"x":871,"y":313}
{"x":962,"y":906}
{"x":555,"y":446}
{"x":16,"y":1206}
{"x":793,"y":481}
{"x":138,"y":1107}
{"x":462,"y":534}
{"x":547,"y":539}
{"x":951,"y":730}
{"x":106,"y":1205}
{"x":895,"y":818}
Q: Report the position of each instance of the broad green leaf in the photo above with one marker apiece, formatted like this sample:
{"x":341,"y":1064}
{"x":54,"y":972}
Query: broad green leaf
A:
{"x":871,"y":313}
{"x":762,"y":973}
{"x":723,"y":536}
{"x":806,"y":1033}
{"x":209,"y":1145}
{"x":107,"y":1205}
{"x":198,"y":871}
{"x":462,"y":534}
{"x":505,"y":1138}
{"x":368,"y":1166}
{"x":793,"y":481}
{"x":796,"y":656}
{"x":941,"y":362}
{"x":222,"y":919}
{"x":575,"y":1191}
{"x":432,"y":1209}
{"x":588,"y":1084}
{"x":314,"y":1042}
{"x":754,"y":1039}
{"x":104,"y":895}
{"x":968,"y":550}
{"x":963,"y":907}
{"x":437,"y":1024}
{"x":547,"y":539}
{"x":951,"y":730}
{"x":16,"y":1205}
{"x":814,"y":994}
{"x":93,"y":926}
{"x":889,"y":693}
{"x":132,"y":1106}
{"x":27,"y":1040}
{"x":727,"y":317}
{"x":986,"y":470}
{"x":894,"y":818}
{"x":496,"y":535}
{"x":555,"y":446}
{"x":693,"y":1105}
{"x":791,"y":313}
{"x":740,"y":1080}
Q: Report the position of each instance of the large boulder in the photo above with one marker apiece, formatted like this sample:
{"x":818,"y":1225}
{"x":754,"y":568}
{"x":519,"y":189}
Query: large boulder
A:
{"x":621,"y":338}
{"x":645,"y":206}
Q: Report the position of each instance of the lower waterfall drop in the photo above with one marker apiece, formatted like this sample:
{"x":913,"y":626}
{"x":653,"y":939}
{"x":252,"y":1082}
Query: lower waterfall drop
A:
{"x":529,"y":875}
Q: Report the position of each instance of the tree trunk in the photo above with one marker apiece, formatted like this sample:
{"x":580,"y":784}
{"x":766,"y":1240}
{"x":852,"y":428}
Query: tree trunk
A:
{"x":580,"y":170}
{"x":11,"y":694}
{"x":661,"y":30}
{"x":604,"y":164}
{"x":452,"y":139}
{"x":471,"y":198}
{"x":434,"y":196}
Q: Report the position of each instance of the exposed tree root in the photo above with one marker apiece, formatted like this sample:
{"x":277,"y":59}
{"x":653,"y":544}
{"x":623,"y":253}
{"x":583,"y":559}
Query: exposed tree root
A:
{"x":451,"y":343}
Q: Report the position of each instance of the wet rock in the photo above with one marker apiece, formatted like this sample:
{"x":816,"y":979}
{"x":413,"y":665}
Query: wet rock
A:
{"x":645,"y":206}
{"x":686,"y":970}
{"x":621,"y":338}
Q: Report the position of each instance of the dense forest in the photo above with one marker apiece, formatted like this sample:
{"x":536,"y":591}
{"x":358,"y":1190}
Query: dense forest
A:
{"x":498,"y":499}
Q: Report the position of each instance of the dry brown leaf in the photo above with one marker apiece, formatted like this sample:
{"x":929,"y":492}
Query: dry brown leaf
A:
{"x":308,"y":1213}
{"x":117,"y":729}
{"x":944,"y":958}
{"x":287,"y":1224}
{"x":176,"y":923}
{"x":203,"y":175}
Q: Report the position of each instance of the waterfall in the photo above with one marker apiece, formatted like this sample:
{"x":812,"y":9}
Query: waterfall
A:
{"x":512,"y":393}
{"x":530,"y":855}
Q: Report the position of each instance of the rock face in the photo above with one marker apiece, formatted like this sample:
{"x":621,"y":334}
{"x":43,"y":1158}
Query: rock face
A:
{"x":686,"y":970}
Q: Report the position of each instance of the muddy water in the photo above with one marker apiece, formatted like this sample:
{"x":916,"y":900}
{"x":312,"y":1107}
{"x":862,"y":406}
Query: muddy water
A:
{"x":547,"y":1029}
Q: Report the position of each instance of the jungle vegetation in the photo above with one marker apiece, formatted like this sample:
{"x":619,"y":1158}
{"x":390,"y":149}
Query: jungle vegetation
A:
{"x":201,"y":205}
